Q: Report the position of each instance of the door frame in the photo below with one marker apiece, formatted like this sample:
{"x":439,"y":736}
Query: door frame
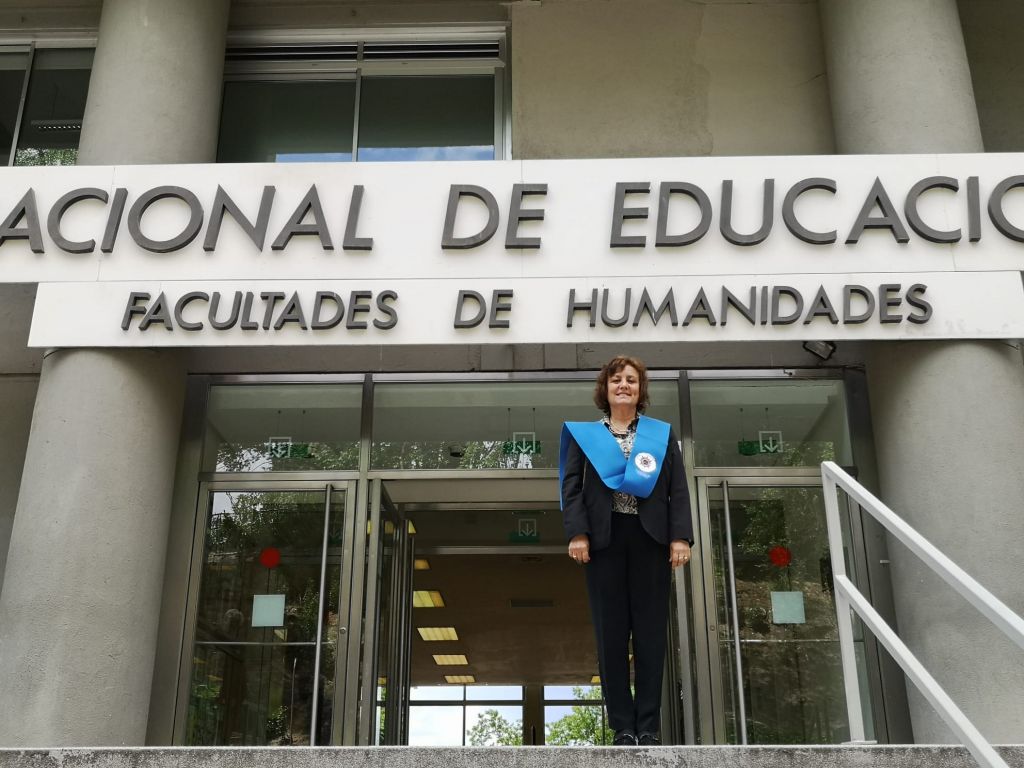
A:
{"x":328,"y":485}
{"x":710,"y":685}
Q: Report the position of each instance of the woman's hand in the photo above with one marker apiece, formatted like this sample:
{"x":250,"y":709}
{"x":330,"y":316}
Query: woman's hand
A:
{"x":579,"y":548}
{"x":678,"y":553}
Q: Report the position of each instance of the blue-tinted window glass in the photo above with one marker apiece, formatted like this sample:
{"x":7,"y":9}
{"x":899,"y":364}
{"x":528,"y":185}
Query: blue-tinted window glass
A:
{"x":287,"y":121}
{"x":426,"y":118}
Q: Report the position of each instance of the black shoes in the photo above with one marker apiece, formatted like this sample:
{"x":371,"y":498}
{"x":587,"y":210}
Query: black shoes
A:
{"x":629,"y":739}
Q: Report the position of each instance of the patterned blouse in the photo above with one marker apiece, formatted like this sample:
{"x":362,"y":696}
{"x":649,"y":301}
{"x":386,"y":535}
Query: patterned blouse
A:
{"x":623,"y":503}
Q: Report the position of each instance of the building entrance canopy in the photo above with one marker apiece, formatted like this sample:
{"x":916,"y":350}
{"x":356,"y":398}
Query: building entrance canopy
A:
{"x":579,"y":251}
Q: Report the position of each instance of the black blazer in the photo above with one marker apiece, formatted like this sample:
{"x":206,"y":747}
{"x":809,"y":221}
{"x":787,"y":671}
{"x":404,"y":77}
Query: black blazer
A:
{"x":587,"y":502}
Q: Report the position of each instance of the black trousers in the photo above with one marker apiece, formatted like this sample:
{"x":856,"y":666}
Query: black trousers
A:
{"x":628,"y":584}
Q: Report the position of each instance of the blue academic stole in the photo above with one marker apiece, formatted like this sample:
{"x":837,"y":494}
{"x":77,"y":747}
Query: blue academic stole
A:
{"x":636,"y":475}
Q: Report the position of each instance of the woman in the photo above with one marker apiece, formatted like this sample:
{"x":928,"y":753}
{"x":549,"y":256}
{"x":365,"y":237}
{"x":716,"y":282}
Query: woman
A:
{"x":627,"y":518}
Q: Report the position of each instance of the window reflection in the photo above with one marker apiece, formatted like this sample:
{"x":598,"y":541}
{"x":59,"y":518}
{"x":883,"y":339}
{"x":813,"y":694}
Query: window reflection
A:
{"x":487,"y":425}
{"x":287,"y":121}
{"x":792,"y":672}
{"x":769,"y":423}
{"x":253,"y":664}
{"x":426,"y":118}
{"x":282,"y":427}
{"x":55,"y":105}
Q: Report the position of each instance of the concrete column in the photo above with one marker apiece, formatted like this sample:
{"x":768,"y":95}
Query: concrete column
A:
{"x":949,"y":430}
{"x":17,"y":393}
{"x":80,"y":605}
{"x":948,"y":417}
{"x":898,"y":77}
{"x":81,"y":596}
{"x":19,"y":378}
{"x":154,"y":95}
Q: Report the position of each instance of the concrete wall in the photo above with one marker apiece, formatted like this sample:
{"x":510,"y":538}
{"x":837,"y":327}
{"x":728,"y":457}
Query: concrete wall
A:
{"x":255,"y":14}
{"x":650,"y":78}
{"x":51,"y":17}
{"x":994,"y":34}
{"x":767,"y":89}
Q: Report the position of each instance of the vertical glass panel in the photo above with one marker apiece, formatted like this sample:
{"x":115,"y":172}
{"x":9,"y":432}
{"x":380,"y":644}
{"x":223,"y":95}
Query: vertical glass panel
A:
{"x":287,"y":121}
{"x":436,"y":693}
{"x":487,"y":425}
{"x":259,"y":605}
{"x":789,"y":647}
{"x":577,"y":725}
{"x":572,"y":692}
{"x":494,"y":726}
{"x":494,"y":692}
{"x":12,"y":80}
{"x":52,"y":123}
{"x":435,"y":726}
{"x":251,"y":695}
{"x":282,"y":427}
{"x":261,"y":544}
{"x":769,"y":423}
{"x":426,"y":118}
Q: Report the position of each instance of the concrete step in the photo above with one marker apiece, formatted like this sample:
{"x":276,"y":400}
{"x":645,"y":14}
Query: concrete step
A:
{"x":503,"y":757}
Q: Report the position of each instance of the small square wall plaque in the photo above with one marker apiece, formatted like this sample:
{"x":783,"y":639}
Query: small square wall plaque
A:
{"x":788,"y":608}
{"x":268,"y":610}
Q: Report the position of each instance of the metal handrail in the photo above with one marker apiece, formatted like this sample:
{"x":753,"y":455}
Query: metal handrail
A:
{"x":849,"y":597}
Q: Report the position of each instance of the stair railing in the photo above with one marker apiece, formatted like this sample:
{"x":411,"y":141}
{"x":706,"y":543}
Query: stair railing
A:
{"x":848,"y":597}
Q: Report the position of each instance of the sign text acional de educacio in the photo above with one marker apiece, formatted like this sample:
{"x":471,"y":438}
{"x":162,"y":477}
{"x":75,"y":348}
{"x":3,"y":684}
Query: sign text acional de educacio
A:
{"x":520,"y":252}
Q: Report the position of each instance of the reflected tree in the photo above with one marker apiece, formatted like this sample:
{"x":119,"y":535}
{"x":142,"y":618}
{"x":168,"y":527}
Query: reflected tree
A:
{"x":792,"y":671}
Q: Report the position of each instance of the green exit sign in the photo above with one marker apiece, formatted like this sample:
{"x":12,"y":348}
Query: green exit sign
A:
{"x":521,"y":447}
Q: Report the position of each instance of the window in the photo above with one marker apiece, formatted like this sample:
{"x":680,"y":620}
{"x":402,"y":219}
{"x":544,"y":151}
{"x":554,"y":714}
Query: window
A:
{"x":12,"y":82}
{"x":487,"y":424}
{"x":48,"y":87}
{"x":368,"y":101}
{"x":769,"y":423}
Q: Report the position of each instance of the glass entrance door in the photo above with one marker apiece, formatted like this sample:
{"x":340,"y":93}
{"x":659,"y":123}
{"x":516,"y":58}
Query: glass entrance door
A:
{"x":266,"y":612}
{"x":773,"y":648}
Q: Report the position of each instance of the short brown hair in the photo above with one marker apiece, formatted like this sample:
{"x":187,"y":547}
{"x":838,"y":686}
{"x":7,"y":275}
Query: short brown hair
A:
{"x":612,"y":367}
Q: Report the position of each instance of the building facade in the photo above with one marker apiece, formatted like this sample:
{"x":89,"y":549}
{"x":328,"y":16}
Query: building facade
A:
{"x":285,"y":354}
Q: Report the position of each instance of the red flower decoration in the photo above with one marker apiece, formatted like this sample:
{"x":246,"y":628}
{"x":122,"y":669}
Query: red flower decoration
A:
{"x":780,"y":556}
{"x":270,"y":557}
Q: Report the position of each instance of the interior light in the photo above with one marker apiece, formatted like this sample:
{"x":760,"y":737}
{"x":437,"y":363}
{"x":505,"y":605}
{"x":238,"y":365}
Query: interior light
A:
{"x":595,"y":680}
{"x":412,"y":529}
{"x":427,"y":598}
{"x":450,"y":660}
{"x":434,"y":634}
{"x":460,"y":679}
{"x":421,"y":564}
{"x":820,"y":349}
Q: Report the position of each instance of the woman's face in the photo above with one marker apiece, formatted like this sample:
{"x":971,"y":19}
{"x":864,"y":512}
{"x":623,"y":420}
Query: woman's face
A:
{"x":624,"y":388}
